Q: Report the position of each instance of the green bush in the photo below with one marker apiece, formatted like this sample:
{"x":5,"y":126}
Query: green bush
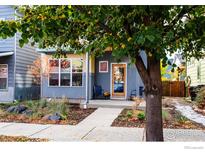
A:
{"x":141,"y":116}
{"x":165,"y":115}
{"x":43,"y":103}
{"x":200,"y":98}
{"x":129,"y":114}
{"x":42,"y":107}
{"x":180,"y":118}
{"x":57,"y":107}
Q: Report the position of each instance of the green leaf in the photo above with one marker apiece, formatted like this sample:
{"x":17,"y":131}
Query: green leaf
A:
{"x":150,"y":38}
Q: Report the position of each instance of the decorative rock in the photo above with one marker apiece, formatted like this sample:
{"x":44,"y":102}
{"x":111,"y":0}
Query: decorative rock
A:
{"x":11,"y":109}
{"x":55,"y":117}
{"x":27,"y":112}
{"x":46,"y":117}
{"x":16,"y":109}
{"x":191,"y":114}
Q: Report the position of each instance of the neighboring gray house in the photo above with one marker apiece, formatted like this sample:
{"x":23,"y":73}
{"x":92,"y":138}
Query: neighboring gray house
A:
{"x":16,"y":81}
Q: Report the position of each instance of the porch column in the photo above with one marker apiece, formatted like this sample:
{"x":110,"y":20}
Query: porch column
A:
{"x":87,"y":79}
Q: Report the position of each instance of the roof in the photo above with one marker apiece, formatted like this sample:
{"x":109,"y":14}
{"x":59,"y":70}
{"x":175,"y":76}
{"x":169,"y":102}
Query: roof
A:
{"x":9,"y":53}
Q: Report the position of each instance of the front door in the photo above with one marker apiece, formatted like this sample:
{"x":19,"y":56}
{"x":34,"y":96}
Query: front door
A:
{"x":118,"y":80}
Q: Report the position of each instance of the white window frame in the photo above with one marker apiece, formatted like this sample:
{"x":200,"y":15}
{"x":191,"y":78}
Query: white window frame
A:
{"x":76,"y":72}
{"x":7,"y":77}
{"x":59,"y":71}
{"x":106,"y":64}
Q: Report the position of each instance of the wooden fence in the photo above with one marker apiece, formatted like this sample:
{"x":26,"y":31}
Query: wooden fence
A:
{"x":173,"y":88}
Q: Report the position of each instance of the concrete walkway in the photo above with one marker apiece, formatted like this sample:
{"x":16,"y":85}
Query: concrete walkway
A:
{"x":95,"y":127}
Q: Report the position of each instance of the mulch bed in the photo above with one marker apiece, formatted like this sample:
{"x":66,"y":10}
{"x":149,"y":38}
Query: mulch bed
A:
{"x":123,"y":121}
{"x":75,"y":116}
{"x":4,"y":138}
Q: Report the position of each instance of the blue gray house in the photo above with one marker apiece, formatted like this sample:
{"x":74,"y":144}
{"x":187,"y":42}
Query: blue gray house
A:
{"x":16,"y":81}
{"x":83,"y":76}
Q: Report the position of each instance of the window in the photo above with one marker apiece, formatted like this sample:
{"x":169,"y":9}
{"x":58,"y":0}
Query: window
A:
{"x":77,"y":69}
{"x":54,"y":73}
{"x":3,"y":76}
{"x":103,"y":66}
{"x":61,"y":73}
{"x":65,"y":72}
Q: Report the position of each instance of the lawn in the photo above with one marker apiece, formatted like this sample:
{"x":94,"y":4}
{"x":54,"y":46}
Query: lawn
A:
{"x":43,"y":112}
{"x":171,"y":119}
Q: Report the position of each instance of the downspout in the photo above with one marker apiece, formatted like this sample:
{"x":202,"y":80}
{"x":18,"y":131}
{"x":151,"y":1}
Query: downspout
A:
{"x":87,"y":80}
{"x":14,"y":77}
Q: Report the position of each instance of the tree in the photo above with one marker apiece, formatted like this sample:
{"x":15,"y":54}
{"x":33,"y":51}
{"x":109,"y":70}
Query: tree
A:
{"x":158,"y":30}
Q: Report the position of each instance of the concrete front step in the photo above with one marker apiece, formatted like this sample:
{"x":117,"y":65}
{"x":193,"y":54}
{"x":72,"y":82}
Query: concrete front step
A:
{"x":113,"y":104}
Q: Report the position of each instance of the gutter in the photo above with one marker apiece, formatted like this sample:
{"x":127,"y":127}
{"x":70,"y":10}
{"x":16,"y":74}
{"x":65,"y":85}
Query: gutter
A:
{"x":87,"y":80}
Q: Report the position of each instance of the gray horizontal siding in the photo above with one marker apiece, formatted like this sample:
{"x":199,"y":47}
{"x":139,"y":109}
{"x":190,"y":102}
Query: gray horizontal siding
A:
{"x":7,"y":13}
{"x":24,"y":86}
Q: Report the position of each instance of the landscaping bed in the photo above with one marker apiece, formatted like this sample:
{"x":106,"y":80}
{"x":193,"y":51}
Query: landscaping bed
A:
{"x":42,"y":112}
{"x":171,"y":119}
{"x":4,"y":138}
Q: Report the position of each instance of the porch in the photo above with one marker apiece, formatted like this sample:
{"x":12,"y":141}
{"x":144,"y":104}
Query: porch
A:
{"x":114,"y":104}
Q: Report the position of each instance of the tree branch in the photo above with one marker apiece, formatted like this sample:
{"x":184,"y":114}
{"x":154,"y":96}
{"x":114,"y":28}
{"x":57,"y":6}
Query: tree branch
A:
{"x":179,"y":16}
{"x":127,"y":27}
{"x":142,"y":69}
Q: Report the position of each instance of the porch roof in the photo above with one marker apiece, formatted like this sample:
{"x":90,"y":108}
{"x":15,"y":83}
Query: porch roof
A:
{"x":8,"y":53}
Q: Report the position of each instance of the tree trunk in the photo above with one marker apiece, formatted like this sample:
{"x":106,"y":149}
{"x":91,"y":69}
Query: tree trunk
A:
{"x":153,"y":96}
{"x":151,"y":77}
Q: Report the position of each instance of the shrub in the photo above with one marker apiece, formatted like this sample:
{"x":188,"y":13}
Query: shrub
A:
{"x":180,"y":118}
{"x":200,"y":99}
{"x":141,"y":116}
{"x":56,"y":107}
{"x":129,"y":114}
{"x":165,"y":115}
{"x":43,"y":103}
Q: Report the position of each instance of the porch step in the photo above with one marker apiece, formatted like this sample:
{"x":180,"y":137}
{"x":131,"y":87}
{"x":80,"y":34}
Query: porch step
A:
{"x":112,"y":104}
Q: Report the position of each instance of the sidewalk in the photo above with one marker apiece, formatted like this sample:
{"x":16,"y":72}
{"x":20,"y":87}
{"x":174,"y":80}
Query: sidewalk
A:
{"x":95,"y":127}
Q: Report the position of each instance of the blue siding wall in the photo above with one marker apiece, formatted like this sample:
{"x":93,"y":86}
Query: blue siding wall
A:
{"x":133,"y":79}
{"x":59,"y":92}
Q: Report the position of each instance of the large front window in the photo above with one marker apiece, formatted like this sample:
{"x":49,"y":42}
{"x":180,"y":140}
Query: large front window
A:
{"x":3,"y":76}
{"x":65,"y":72}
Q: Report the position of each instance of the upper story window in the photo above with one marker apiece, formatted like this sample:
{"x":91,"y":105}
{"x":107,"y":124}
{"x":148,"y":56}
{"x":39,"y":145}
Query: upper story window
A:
{"x":3,"y":76}
{"x":61,"y":74}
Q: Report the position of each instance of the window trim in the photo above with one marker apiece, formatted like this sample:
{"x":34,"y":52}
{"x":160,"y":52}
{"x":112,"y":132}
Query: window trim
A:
{"x":99,"y":67}
{"x":59,"y":72}
{"x":7,"y":77}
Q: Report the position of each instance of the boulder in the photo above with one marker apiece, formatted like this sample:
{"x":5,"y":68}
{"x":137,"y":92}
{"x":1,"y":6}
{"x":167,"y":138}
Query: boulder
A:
{"x":46,"y":117}
{"x":11,"y":109}
{"x":55,"y":117}
{"x":16,"y":109}
{"x":27,"y":112}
